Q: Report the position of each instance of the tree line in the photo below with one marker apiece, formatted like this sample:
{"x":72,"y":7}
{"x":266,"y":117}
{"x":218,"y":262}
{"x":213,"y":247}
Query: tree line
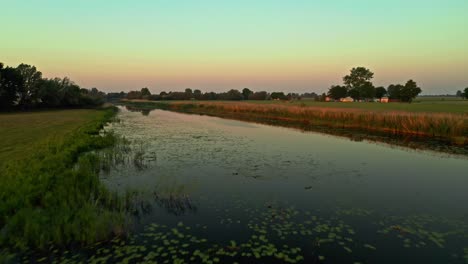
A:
{"x":358,"y":85}
{"x":231,"y":95}
{"x":463,"y":94}
{"x":23,"y":87}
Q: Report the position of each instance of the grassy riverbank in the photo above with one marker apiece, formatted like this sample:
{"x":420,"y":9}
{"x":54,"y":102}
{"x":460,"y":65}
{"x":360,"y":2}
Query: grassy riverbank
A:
{"x":452,"y":127}
{"x":49,"y":185}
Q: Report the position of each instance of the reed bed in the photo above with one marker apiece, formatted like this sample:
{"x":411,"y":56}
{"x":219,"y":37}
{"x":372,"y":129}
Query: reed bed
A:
{"x":441,"y":125}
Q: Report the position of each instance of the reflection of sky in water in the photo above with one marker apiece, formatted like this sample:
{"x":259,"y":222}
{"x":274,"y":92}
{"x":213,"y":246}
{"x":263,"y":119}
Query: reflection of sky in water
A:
{"x":218,"y":158}
{"x":212,"y":172}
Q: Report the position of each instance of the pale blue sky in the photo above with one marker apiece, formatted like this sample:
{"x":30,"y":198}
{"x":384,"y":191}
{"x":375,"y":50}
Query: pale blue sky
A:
{"x":214,"y":45}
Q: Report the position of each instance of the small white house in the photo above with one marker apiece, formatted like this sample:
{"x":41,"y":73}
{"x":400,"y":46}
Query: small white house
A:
{"x":384,"y":100}
{"x":347,"y":100}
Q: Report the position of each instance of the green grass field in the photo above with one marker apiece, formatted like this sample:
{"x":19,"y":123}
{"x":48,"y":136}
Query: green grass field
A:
{"x":49,"y":184}
{"x":23,"y":134}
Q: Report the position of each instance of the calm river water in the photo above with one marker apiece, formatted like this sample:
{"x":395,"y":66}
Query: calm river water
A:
{"x":207,"y":190}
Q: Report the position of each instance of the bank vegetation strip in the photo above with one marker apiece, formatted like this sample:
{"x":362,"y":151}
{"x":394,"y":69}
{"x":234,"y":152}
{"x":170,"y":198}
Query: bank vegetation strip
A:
{"x":451,"y":127}
{"x":49,"y":185}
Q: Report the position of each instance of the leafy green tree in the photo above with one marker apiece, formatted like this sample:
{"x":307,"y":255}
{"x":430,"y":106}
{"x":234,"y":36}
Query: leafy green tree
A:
{"x":24,"y":87}
{"x":322,"y":97}
{"x":197,"y":94}
{"x":358,"y":77}
{"x":29,"y":90}
{"x":70,"y":93}
{"x":210,"y":96}
{"x":367,"y":91}
{"x":49,"y":92}
{"x":11,"y":82}
{"x":459,"y":94}
{"x":246,"y":92}
{"x":262,"y":95}
{"x":293,"y":96}
{"x":410,"y":91}
{"x":134,"y":95}
{"x":394,"y":91}
{"x":188,"y":94}
{"x":234,"y":95}
{"x":466,"y":93}
{"x":354,"y":93}
{"x":337,"y":92}
{"x":359,"y":80}
{"x":278,"y":95}
{"x":145,"y":93}
{"x":380,"y":92}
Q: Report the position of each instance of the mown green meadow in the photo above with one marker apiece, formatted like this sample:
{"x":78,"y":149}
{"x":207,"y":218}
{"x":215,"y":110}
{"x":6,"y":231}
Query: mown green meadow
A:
{"x":24,"y":133}
{"x":49,"y":185}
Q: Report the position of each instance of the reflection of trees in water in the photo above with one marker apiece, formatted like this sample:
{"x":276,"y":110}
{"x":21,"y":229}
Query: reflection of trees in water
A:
{"x":176,"y":204}
{"x":144,"y":112}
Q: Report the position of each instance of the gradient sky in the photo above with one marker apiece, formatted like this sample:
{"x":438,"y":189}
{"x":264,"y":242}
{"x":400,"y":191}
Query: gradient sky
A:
{"x":218,"y":45}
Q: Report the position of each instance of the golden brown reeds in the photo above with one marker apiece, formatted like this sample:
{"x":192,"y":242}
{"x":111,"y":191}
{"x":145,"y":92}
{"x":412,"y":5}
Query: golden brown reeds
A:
{"x":443,"y":125}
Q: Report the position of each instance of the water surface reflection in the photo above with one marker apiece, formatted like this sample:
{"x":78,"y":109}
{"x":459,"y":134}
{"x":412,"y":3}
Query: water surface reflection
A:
{"x":252,"y":189}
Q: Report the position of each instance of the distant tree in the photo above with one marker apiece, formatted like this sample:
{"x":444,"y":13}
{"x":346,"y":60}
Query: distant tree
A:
{"x":293,"y":96}
{"x":410,"y":91}
{"x":145,"y":93}
{"x":134,"y":95}
{"x":23,"y":87}
{"x":70,"y":93}
{"x":367,"y":91}
{"x":188,"y":94}
{"x":246,"y":92}
{"x":359,"y":80}
{"x":11,"y":82}
{"x":322,"y":97}
{"x":337,"y":92}
{"x":50,"y":92}
{"x":310,"y":95}
{"x":466,"y":93}
{"x":459,"y":94}
{"x":394,"y":91}
{"x":278,"y":95}
{"x":197,"y":94}
{"x":112,"y":97}
{"x":29,"y":90}
{"x":95,"y":97}
{"x":210,"y":96}
{"x":234,"y":95}
{"x":380,"y":92}
{"x":354,"y":93}
{"x":258,"y":96}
